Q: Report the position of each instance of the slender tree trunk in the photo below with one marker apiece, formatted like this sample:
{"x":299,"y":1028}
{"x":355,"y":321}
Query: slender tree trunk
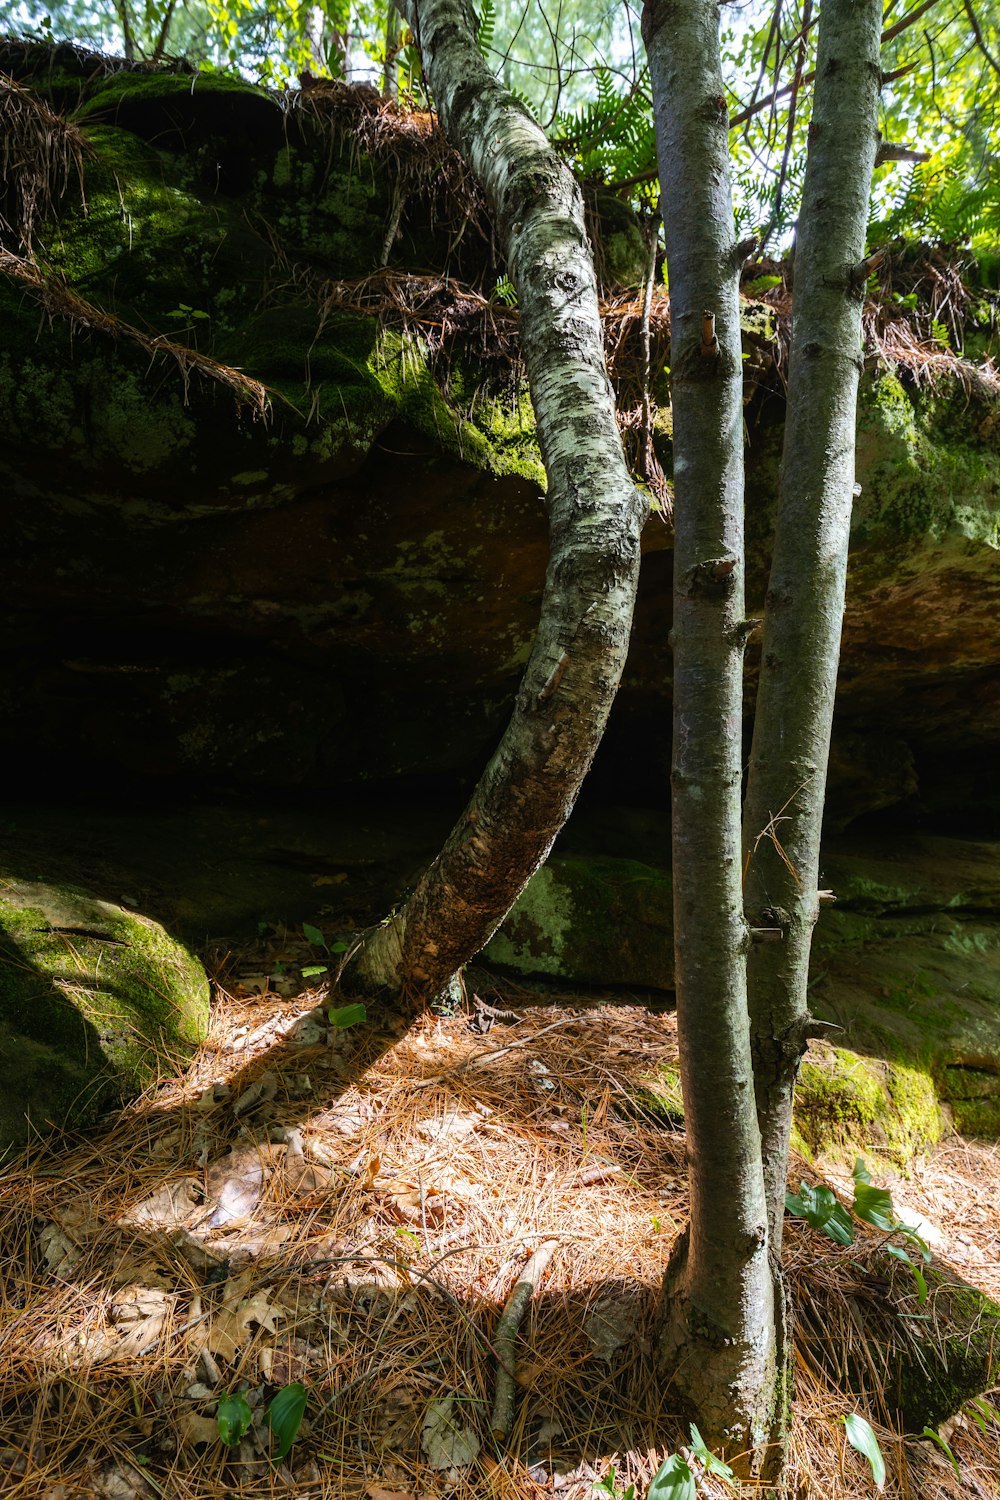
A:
{"x":390,"y":67}
{"x":721,"y":1342}
{"x":595,"y":517}
{"x":805,"y":598}
{"x":125,"y":21}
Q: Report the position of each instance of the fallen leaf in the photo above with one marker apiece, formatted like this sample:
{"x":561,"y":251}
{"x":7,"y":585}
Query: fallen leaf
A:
{"x":193,"y":1428}
{"x":446,"y":1443}
{"x":171,"y":1204}
{"x":138,"y":1315}
{"x":262,"y":1091}
{"x":231,"y":1327}
{"x":235,"y":1183}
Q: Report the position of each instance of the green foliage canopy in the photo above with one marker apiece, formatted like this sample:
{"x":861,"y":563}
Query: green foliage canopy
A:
{"x":581,"y":69}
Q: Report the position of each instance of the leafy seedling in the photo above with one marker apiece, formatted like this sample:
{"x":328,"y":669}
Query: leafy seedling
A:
{"x":233,"y":1417}
{"x":864,"y":1441}
{"x":284,"y":1417}
{"x":347,"y":1015}
{"x":673,"y":1480}
{"x":314,"y":936}
{"x":183,"y":311}
{"x":707,"y":1458}
{"x":821,"y":1210}
{"x":606,"y":1486}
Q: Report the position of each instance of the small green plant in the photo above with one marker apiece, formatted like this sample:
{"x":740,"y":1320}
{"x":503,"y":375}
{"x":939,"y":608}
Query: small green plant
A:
{"x":707,"y":1458}
{"x":935,"y":1437}
{"x":315,"y":937}
{"x":347,"y":1015}
{"x":182,"y":310}
{"x":821,"y":1209}
{"x":284,"y":1417}
{"x":505,"y":292}
{"x":864,"y":1441}
{"x":675,"y":1479}
{"x":233,"y":1417}
{"x":982,"y":1412}
{"x":606,"y":1486}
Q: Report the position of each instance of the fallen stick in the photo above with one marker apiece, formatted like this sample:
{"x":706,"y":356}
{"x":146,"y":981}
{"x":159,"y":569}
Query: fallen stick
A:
{"x":506,"y":1334}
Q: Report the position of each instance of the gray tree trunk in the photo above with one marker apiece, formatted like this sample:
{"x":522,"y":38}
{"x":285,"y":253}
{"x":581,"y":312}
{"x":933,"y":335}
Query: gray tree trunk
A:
{"x":722,"y":1322}
{"x":595,"y":517}
{"x":805,"y":599}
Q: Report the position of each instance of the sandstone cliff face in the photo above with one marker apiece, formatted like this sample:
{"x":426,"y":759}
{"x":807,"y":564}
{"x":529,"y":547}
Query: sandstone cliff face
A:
{"x":336,"y":578}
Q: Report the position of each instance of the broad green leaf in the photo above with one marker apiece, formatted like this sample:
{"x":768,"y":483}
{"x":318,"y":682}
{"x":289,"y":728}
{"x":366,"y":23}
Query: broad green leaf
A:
{"x":874,"y":1205}
{"x":233,"y":1418}
{"x":284,"y":1416}
{"x":673,"y":1480}
{"x":935,"y":1437}
{"x":861,"y":1172}
{"x":313,"y":935}
{"x":311,"y":970}
{"x":707,"y":1458}
{"x":347,"y":1015}
{"x":861,"y":1438}
{"x":338,"y":948}
{"x":820,"y":1209}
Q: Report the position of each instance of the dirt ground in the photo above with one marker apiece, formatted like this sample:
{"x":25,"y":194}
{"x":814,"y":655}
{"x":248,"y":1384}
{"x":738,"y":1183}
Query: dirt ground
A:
{"x":349,"y":1208}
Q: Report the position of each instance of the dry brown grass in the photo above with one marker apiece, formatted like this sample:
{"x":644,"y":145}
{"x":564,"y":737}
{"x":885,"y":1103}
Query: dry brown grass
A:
{"x":383,"y":1195}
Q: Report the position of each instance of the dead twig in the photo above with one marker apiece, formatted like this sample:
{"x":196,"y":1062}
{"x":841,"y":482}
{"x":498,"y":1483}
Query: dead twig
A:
{"x":506,"y":1334}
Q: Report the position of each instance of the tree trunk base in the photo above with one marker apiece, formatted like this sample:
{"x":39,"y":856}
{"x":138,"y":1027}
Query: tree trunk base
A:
{"x":736,"y":1388}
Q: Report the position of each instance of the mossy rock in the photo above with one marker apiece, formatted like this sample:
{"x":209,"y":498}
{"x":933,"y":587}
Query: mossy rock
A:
{"x":847,"y":1104}
{"x":921,"y":1362}
{"x":591,"y":921}
{"x":96,"y":1002}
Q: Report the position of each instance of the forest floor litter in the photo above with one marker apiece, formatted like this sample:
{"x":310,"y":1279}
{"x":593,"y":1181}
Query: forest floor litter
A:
{"x":350,"y":1208}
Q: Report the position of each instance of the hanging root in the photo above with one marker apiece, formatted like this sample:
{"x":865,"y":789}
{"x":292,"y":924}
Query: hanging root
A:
{"x":506,"y":1335}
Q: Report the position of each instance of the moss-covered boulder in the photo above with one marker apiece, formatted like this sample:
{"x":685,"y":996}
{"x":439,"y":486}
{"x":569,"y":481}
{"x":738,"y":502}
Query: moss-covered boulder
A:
{"x":96,"y":1002}
{"x":591,"y":921}
{"x":919,"y":1361}
{"x":906,"y":969}
{"x":848,"y":1104}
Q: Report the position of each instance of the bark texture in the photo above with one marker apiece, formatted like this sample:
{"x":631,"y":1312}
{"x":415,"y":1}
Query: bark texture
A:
{"x":595,"y":516}
{"x":805,"y":598}
{"x":720,"y":1343}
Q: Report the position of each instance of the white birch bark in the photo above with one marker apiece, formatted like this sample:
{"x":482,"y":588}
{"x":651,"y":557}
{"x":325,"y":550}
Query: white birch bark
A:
{"x":805,"y":598}
{"x":595,"y":517}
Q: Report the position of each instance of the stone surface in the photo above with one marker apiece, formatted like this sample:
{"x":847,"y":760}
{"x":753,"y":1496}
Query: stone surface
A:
{"x":347,"y":590}
{"x":592,"y":921}
{"x":906,"y":966}
{"x":96,"y":1003}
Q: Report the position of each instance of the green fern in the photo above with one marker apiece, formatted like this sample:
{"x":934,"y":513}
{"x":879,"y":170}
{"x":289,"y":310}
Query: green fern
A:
{"x":611,"y":137}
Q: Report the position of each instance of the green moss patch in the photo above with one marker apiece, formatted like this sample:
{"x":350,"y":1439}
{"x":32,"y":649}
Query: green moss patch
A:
{"x":95,"y":1003}
{"x":852,"y":1105}
{"x":592,"y":921}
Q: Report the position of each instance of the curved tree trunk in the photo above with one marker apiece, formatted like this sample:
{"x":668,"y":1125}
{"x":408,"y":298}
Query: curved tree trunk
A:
{"x":721,"y":1338}
{"x":595,"y":517}
{"x":805,"y":599}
